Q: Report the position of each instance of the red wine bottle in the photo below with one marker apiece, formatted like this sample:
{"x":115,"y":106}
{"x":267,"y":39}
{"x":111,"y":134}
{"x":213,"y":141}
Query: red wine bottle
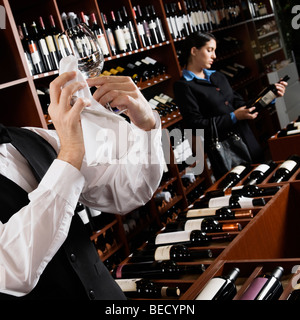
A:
{"x":192,"y":238}
{"x":145,"y":288}
{"x":231,"y":201}
{"x":33,"y":49}
{"x":204,"y":224}
{"x":156,"y":269}
{"x":220,"y":287}
{"x":223,"y":213}
{"x":234,"y":176}
{"x":260,"y":173}
{"x":176,"y":252}
{"x":99,"y":34}
{"x":286,"y":169}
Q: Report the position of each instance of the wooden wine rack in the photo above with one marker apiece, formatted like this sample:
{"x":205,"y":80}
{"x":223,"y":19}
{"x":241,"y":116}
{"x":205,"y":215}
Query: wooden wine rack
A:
{"x":21,"y":107}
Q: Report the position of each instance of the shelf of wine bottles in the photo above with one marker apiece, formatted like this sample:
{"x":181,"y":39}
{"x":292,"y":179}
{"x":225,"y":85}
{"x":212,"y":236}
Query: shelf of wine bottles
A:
{"x":285,"y":141}
{"x":270,"y":279}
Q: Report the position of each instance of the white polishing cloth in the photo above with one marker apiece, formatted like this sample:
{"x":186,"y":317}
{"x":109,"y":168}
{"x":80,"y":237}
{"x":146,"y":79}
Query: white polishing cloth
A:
{"x":107,"y":136}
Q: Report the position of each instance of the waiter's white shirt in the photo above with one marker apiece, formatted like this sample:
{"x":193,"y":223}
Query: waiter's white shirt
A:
{"x":33,"y":235}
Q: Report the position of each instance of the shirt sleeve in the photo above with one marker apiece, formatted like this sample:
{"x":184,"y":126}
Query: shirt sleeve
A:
{"x":122,"y":187}
{"x":32,"y":236}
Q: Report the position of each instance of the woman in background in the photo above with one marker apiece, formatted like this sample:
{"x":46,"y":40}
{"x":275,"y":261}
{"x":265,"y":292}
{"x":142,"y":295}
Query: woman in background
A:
{"x":202,"y":94}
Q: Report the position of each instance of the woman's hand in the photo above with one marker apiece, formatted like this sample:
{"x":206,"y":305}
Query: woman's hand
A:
{"x":122,"y":93}
{"x":243,"y":113}
{"x":66,"y":118}
{"x":281,"y":88}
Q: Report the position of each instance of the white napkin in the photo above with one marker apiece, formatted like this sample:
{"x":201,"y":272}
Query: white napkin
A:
{"x":107,"y":136}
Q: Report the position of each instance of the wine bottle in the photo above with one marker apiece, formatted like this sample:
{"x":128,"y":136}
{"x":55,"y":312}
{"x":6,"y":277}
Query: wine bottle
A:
{"x":51,"y":49}
{"x":177,"y":252}
{"x":140,"y":27}
{"x":59,"y":50}
{"x":231,"y":201}
{"x":126,"y":32}
{"x":160,"y":31}
{"x":286,"y":169}
{"x":157,"y":269}
{"x":260,"y":173}
{"x":26,"y":52}
{"x":170,"y":25}
{"x":187,"y":238}
{"x":158,"y":67}
{"x":152,"y":26}
{"x":249,"y":190}
{"x":145,"y":288}
{"x":223,"y":213}
{"x":234,"y":176}
{"x":42,"y":45}
{"x":131,"y":70}
{"x":148,"y":37}
{"x":130,"y":39}
{"x":117,"y":29}
{"x":186,"y":28}
{"x":204,"y":224}
{"x":220,"y":287}
{"x":288,"y":132}
{"x":265,"y":97}
{"x":99,"y":34}
{"x":109,"y":34}
{"x":265,"y":287}
{"x":33,"y":49}
{"x":162,"y":196}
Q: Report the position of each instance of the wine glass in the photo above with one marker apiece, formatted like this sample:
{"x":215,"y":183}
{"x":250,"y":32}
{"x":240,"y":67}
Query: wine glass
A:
{"x":85,"y":47}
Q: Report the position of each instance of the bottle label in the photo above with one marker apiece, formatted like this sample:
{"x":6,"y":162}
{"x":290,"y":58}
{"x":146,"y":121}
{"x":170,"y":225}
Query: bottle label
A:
{"x":290,"y":132}
{"x":120,"y":39}
{"x":211,"y":289}
{"x":262,"y":168}
{"x":102,"y":43}
{"x":44,"y":47}
{"x":127,"y":35}
{"x":238,"y":169}
{"x":162,"y":253}
{"x":288,"y":164}
{"x":219,"y":202}
{"x":50,"y":43}
{"x":246,"y":202}
{"x":173,"y":237}
{"x":128,"y":285}
{"x":194,"y":224}
{"x":268,"y":98}
{"x":141,"y":29}
{"x":201,"y":212}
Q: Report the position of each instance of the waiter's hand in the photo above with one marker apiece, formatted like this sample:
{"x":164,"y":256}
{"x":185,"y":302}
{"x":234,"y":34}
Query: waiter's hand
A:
{"x":66,"y":118}
{"x":122,"y":93}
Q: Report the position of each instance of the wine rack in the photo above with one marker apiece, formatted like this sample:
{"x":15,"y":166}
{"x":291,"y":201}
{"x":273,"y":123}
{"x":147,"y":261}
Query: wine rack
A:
{"x":282,"y":147}
{"x":26,"y":110}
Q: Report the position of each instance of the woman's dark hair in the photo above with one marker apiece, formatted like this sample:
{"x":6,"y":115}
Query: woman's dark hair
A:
{"x":196,"y":39}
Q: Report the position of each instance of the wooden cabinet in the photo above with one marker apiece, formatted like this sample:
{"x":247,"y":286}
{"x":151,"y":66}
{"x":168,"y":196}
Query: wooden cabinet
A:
{"x":21,"y":107}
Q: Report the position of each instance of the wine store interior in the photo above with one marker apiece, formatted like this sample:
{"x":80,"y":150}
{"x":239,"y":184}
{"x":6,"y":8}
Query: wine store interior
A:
{"x":201,"y":236}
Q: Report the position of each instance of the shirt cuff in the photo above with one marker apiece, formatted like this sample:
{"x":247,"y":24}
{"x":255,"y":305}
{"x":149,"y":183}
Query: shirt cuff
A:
{"x":233,"y":117}
{"x":65,"y":180}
